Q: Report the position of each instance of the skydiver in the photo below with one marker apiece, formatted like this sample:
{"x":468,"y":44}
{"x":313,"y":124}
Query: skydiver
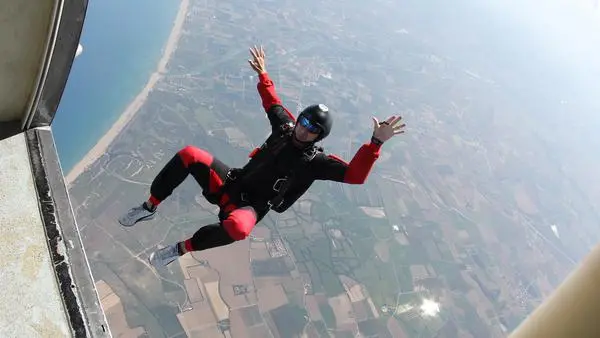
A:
{"x":276,"y":175}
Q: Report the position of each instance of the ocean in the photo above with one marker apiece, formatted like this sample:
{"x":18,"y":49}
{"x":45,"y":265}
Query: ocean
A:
{"x":122,"y":44}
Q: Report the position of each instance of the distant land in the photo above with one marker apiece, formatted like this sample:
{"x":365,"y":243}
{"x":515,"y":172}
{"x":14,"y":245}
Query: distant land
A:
{"x":466,"y":224}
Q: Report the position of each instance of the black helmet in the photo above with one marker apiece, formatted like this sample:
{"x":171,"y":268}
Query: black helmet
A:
{"x":318,"y":114}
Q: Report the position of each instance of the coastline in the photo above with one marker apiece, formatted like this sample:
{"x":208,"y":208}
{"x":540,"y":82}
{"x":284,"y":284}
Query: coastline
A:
{"x":129,"y":113}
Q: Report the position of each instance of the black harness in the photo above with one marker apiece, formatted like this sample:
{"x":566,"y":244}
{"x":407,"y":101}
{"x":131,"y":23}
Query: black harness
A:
{"x":266,"y":154}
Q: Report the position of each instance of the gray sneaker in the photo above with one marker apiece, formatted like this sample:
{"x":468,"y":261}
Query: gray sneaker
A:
{"x":136,"y":214}
{"x":164,"y":256}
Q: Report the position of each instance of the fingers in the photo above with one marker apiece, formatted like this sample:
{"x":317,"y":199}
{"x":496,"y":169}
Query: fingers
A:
{"x":400,"y":126}
{"x":392,"y":120}
{"x":254,"y":66}
{"x":257,"y":52}
{"x":399,"y":129}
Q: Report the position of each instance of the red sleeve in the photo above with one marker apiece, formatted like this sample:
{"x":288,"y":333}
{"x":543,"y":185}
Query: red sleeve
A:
{"x":355,"y":172}
{"x":361,"y":164}
{"x":268,"y":95}
{"x":266,"y":89}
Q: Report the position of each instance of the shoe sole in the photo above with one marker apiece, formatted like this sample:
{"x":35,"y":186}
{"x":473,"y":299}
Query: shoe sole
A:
{"x":145,"y":218}
{"x":160,"y":265}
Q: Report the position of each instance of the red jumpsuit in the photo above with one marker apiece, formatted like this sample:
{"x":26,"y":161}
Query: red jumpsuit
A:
{"x":237,"y":218}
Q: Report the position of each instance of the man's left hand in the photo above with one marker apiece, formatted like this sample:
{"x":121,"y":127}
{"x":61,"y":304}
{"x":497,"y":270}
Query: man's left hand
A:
{"x":258,"y":60}
{"x":383,"y":131}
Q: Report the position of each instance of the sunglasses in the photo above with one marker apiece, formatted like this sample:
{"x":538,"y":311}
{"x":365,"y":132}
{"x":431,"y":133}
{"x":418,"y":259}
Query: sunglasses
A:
{"x":304,"y":122}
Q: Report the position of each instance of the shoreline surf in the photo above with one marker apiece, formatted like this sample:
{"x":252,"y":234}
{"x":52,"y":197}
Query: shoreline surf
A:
{"x":134,"y":106}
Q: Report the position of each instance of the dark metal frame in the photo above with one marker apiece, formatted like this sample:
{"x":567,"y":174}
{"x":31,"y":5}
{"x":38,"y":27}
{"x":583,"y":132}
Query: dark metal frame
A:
{"x":66,"y":35}
{"x":73,"y":274}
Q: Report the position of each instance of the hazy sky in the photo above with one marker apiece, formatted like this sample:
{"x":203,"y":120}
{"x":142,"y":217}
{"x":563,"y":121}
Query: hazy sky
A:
{"x":566,"y":34}
{"x":569,"y":29}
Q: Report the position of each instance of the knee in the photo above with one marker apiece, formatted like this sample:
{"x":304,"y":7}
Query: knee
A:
{"x":190,"y":150}
{"x":239,"y":224}
{"x":236,"y":230}
{"x":191,"y":154}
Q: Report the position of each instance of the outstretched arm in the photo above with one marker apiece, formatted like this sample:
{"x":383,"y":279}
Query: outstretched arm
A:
{"x":333,"y":168}
{"x":267,"y":92}
{"x":271,"y":102}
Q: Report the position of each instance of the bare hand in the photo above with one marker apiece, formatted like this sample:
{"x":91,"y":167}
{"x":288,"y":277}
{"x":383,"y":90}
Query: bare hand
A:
{"x":258,"y":62}
{"x":385,"y":130}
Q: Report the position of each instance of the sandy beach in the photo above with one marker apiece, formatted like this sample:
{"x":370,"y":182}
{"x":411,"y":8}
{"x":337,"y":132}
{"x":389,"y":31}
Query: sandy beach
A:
{"x":103,"y":144}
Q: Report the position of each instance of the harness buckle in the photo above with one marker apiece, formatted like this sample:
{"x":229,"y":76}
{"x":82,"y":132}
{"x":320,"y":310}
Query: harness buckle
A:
{"x":270,"y":204}
{"x":279,"y":184}
{"x":230,"y":176}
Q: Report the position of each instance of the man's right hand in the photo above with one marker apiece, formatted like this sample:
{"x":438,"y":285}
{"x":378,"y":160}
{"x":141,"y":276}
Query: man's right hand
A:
{"x":258,"y":62}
